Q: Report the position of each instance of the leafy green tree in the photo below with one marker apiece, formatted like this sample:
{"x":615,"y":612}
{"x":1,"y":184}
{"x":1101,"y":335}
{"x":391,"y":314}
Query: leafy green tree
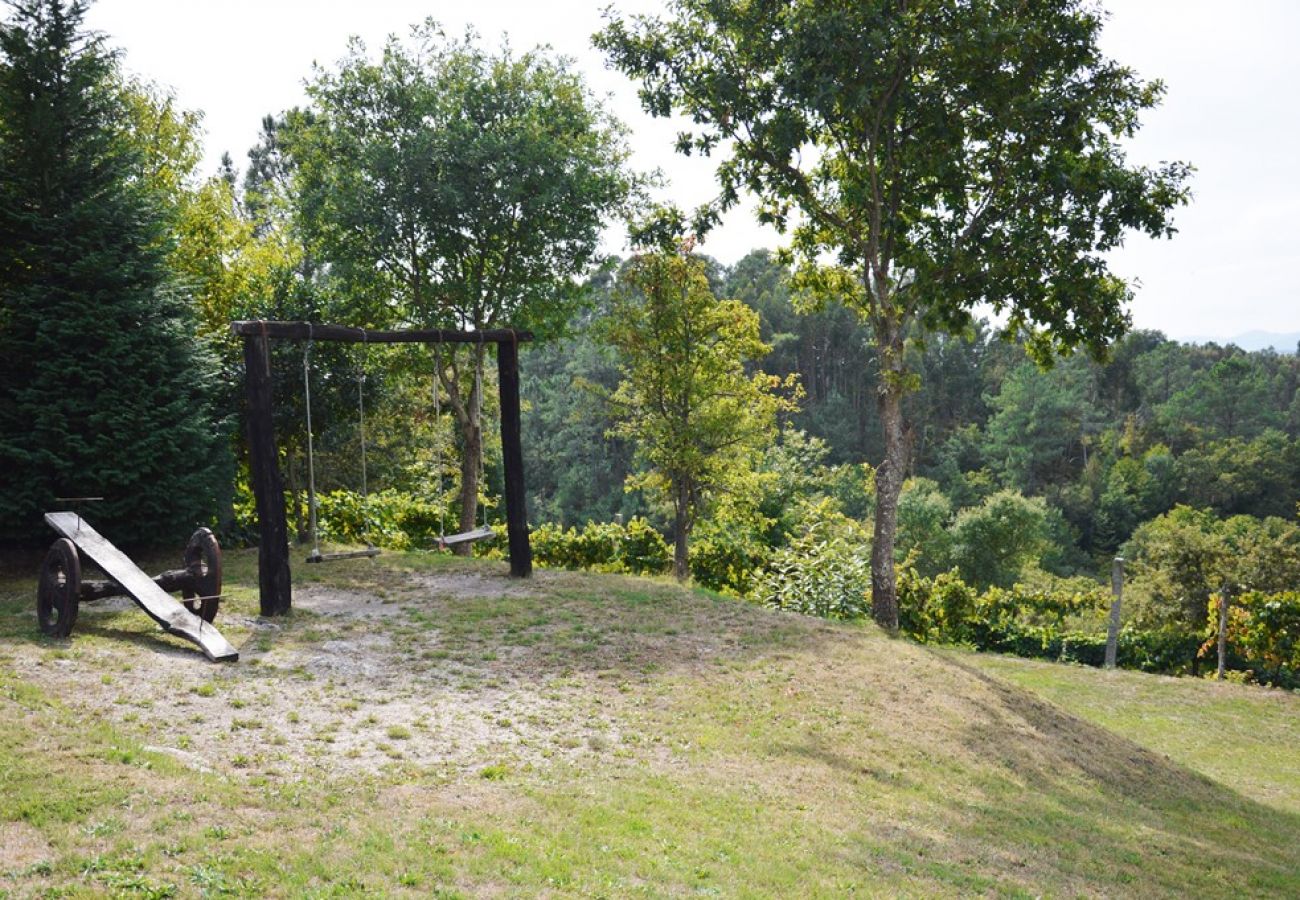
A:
{"x":103,"y":388}
{"x":1177,"y":560}
{"x":1258,"y":477}
{"x":1036,"y":434}
{"x":993,"y":542}
{"x":575,"y":473}
{"x":828,"y":348}
{"x":1232,"y":399}
{"x":952,"y":387}
{"x":685,"y":401}
{"x":449,"y":186}
{"x":924,"y":514}
{"x":1264,"y":553}
{"x":944,"y":153}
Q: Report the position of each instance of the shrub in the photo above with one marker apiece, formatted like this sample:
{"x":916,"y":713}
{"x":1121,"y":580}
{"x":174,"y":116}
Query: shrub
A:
{"x":992,"y":542}
{"x":602,"y":546}
{"x":727,"y":560}
{"x":829,"y":578}
{"x":1265,"y":630}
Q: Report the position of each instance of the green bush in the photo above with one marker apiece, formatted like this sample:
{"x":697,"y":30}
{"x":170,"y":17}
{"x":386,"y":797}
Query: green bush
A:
{"x":1265,"y":630}
{"x":644,"y":549}
{"x":727,"y":561}
{"x":603,"y":547}
{"x":821,"y":577}
{"x":1032,"y":620}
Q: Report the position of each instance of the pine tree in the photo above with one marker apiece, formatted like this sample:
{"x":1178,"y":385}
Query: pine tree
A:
{"x":104,"y":390}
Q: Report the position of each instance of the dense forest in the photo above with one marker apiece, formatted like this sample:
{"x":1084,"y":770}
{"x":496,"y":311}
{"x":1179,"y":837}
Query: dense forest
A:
{"x":1024,"y":482}
{"x":449,"y":184}
{"x":1107,"y":445}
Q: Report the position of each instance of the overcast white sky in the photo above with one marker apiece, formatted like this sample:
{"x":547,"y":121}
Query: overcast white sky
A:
{"x":1232,"y":109}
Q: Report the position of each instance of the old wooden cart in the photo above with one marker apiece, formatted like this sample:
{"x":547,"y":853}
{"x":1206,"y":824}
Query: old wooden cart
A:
{"x":61,"y":589}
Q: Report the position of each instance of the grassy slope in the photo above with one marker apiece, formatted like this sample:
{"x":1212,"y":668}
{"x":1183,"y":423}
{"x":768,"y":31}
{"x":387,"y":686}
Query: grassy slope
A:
{"x":1240,"y":735}
{"x":766,"y":755}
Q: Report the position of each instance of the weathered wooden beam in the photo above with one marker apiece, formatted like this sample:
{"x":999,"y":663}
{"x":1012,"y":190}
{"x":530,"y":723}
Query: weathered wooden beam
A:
{"x":521,"y":553}
{"x":170,"y":581}
{"x":301,"y":331}
{"x":161,"y":607}
{"x":274,"y":585}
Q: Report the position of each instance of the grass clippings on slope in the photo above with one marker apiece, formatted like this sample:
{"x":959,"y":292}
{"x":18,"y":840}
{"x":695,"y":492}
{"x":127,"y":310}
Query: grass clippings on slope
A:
{"x":432,"y":727}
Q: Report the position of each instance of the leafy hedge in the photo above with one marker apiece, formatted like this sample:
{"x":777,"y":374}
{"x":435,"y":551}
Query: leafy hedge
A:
{"x":1033,"y":621}
{"x":391,"y":519}
{"x":602,"y":547}
{"x":1264,"y":629}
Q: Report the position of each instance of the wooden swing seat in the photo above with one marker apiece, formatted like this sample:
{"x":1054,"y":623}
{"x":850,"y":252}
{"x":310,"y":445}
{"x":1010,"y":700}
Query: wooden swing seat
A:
{"x":465,"y":537}
{"x":368,"y":553}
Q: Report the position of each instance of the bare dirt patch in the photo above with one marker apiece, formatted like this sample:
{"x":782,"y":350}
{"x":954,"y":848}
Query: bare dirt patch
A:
{"x":21,"y":847}
{"x":460,"y":671}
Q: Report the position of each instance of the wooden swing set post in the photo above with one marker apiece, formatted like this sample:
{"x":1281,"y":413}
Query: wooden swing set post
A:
{"x":274,"y":582}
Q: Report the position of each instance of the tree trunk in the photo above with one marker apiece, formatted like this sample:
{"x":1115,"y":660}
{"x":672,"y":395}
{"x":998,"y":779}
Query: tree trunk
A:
{"x":889,"y":476}
{"x":1222,"y":669}
{"x":681,"y":525}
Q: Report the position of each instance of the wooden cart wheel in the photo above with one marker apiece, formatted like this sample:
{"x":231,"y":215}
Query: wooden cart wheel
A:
{"x":59,"y":588}
{"x":203,"y":559}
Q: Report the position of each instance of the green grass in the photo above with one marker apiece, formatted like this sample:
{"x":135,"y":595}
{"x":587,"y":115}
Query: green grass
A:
{"x":698,"y":746}
{"x":1240,"y":735}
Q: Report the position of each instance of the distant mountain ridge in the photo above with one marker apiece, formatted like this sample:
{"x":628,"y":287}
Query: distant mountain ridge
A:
{"x":1281,"y":341}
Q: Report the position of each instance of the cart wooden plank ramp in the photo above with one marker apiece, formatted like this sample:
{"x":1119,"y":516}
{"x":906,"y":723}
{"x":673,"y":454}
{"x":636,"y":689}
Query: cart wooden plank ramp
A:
{"x":160,"y":606}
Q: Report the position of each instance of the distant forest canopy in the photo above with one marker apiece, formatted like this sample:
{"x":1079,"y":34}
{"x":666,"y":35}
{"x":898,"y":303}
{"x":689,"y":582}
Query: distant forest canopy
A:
{"x":1106,"y":445}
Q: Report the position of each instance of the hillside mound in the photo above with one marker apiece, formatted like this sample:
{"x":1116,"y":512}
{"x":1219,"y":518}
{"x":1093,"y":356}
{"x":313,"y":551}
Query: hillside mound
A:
{"x":601,"y":734}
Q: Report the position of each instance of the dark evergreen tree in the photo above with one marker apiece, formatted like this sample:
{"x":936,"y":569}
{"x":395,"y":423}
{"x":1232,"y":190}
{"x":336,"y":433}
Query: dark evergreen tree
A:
{"x":104,"y":390}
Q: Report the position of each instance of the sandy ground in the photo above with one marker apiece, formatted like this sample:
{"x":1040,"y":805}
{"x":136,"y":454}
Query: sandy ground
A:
{"x":352,"y":682}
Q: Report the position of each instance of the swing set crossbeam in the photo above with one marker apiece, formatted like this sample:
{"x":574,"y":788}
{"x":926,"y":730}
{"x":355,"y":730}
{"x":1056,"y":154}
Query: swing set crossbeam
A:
{"x":274,"y":581}
{"x":301,"y":331}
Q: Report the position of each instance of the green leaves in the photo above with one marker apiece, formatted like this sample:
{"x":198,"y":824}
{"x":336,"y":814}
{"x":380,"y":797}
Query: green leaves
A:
{"x":685,"y":399}
{"x":456,"y":186}
{"x":104,"y":390}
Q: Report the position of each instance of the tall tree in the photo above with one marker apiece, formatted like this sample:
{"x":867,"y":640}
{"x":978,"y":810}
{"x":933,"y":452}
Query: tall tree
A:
{"x":685,"y":400}
{"x":103,"y":390}
{"x":451,"y":186}
{"x":944,"y":152}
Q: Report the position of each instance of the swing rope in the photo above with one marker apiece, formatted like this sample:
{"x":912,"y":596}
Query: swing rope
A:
{"x":474,"y":534}
{"x":478,"y":414}
{"x":437,"y":438}
{"x":361,"y":424}
{"x":311,"y":465}
{"x":312,"y":507}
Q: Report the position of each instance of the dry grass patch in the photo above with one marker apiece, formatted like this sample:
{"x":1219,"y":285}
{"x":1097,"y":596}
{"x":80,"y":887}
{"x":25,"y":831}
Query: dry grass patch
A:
{"x":435,"y":728}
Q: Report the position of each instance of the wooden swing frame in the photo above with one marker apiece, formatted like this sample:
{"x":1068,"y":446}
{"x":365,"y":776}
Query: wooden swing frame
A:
{"x":273,"y":575}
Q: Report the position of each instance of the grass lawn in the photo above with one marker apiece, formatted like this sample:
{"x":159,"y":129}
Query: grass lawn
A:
{"x":425,"y":725}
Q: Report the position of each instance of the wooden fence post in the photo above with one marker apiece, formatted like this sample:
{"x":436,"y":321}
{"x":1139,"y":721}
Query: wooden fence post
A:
{"x":274,"y":585}
{"x":1112,"y":631}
